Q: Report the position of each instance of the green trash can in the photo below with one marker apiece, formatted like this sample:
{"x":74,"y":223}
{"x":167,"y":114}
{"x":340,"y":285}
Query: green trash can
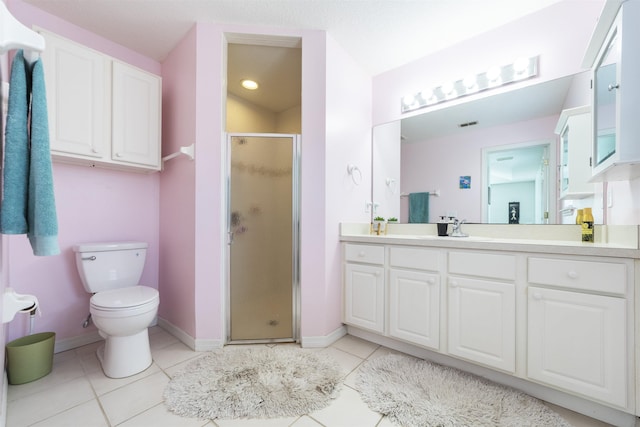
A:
{"x":30,"y":357}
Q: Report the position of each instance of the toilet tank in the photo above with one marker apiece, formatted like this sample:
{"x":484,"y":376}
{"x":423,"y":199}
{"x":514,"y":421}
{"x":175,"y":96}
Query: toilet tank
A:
{"x":104,"y":266}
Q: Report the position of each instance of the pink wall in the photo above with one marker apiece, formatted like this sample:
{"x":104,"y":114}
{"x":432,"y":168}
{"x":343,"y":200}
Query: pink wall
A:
{"x":177,"y":183}
{"x":334,"y":132}
{"x":559,"y":34}
{"x":92,"y":205}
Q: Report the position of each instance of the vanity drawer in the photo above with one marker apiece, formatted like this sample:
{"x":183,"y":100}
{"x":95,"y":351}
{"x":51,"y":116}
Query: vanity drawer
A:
{"x":494,"y":266}
{"x":607,"y":277}
{"x":370,"y":254}
{"x":418,"y":259}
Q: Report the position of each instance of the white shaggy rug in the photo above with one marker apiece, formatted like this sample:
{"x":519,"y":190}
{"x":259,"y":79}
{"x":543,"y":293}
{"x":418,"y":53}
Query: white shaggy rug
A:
{"x":414,"y":392}
{"x":254,"y":383}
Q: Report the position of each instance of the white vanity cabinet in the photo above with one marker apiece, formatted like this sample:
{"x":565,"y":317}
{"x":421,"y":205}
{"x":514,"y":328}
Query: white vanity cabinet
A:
{"x":578,"y":326}
{"x":364,"y":294}
{"x":102,"y":112}
{"x":616,"y":88}
{"x":482,"y":308}
{"x":414,"y":295}
{"x":575,"y":132}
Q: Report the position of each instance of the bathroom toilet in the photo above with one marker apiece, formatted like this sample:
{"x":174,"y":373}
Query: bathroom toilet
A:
{"x":121,"y":309}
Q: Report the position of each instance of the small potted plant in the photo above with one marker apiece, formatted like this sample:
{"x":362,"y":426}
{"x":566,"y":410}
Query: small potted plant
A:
{"x":378,"y":220}
{"x":393,"y":220}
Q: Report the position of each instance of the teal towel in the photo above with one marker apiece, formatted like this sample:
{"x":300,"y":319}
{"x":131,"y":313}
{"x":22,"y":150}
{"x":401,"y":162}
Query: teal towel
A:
{"x":41,"y":212}
{"x":13,"y":211}
{"x":419,"y":208}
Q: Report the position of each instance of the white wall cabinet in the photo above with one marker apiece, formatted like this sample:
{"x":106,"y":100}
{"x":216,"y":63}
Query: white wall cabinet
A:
{"x":575,"y":132}
{"x":414,"y":296}
{"x":364,"y":298}
{"x":616,"y":152}
{"x":577,"y":341}
{"x":102,"y":112}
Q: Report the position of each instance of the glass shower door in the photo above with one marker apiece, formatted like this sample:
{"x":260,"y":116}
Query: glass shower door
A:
{"x":263,"y":235}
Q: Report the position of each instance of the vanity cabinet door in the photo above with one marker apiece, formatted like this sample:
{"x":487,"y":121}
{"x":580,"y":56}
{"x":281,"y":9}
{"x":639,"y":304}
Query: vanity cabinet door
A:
{"x":577,"y":342}
{"x":364,"y":296}
{"x":414,"y":307}
{"x":481,"y":321}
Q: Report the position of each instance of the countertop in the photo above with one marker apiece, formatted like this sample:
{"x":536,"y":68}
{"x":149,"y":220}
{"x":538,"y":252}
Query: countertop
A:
{"x":611,"y":241}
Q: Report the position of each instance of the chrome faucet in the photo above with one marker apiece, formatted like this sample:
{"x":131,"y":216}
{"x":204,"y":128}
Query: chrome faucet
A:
{"x":457,"y":228}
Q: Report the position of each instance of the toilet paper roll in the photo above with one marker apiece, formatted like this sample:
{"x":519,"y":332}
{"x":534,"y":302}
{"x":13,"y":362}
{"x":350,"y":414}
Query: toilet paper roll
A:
{"x":13,"y":303}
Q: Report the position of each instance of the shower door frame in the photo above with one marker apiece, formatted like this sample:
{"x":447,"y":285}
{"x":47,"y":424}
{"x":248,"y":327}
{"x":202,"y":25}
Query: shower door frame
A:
{"x":295,"y":236}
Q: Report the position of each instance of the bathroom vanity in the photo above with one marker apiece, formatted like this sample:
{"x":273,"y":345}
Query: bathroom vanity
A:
{"x":550,"y":315}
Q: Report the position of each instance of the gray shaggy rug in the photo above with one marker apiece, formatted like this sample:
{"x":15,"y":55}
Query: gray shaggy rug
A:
{"x":254,"y":383}
{"x":414,"y":392}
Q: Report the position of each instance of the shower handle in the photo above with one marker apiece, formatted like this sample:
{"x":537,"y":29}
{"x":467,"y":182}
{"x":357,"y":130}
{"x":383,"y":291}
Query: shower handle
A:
{"x":230,"y":234}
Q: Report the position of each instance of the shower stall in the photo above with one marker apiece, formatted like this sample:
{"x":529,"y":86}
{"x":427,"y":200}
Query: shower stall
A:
{"x":263,"y":236}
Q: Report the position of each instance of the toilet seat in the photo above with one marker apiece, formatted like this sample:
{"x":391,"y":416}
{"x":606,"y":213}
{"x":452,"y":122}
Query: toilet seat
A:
{"x":125,"y":299}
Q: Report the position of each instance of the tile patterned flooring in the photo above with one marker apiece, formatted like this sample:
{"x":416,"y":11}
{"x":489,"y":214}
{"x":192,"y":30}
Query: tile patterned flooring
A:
{"x":76,"y":393}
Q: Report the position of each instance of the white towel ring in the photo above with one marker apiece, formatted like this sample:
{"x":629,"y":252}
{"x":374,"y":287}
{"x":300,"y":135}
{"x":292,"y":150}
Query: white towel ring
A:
{"x":356,"y":174}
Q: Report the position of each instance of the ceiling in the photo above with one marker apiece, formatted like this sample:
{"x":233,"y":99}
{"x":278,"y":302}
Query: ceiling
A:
{"x":378,"y":34}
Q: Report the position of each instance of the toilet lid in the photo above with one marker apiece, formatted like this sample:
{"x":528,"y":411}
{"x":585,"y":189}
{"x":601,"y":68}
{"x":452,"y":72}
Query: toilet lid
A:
{"x":124,"y":297}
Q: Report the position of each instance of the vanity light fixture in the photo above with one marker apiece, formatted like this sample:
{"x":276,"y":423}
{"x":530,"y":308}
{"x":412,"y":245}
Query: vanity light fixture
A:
{"x":521,"y":69}
{"x":249,"y":84}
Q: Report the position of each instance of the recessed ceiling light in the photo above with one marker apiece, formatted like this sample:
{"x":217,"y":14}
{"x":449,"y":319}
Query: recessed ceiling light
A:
{"x":249,"y":84}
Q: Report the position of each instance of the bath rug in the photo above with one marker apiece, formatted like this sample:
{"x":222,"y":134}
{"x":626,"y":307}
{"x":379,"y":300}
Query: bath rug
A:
{"x":414,"y":392}
{"x":261,"y":382}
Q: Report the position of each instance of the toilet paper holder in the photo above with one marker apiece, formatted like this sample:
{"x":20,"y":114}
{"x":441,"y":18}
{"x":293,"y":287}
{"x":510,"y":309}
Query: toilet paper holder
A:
{"x":13,"y":303}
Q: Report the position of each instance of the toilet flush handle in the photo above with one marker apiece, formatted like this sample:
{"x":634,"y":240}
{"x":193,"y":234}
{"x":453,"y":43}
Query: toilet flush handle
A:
{"x":89,"y":258}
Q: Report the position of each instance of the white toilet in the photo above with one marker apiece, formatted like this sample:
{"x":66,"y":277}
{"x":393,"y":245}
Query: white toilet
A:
{"x":120,"y":308}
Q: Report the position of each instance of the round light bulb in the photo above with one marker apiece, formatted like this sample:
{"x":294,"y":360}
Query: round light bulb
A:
{"x":249,"y":84}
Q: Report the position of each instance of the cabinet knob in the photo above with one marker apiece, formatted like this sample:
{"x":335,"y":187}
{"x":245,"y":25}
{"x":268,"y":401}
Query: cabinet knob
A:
{"x":431,"y":281}
{"x":453,"y":283}
{"x":361,"y":254}
{"x":119,"y":154}
{"x":95,"y":150}
{"x":537,"y":296}
{"x":572,"y":275}
{"x":613,"y":86}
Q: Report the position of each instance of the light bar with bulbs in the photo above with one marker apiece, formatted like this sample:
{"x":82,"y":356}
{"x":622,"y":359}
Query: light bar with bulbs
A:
{"x":521,"y":69}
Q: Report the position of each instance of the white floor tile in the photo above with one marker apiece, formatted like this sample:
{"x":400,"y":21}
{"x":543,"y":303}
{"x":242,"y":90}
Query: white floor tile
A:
{"x":89,"y":413}
{"x":306,"y":421}
{"x":173,"y":354}
{"x":69,"y":393}
{"x":347,"y":411}
{"x":47,"y":403}
{"x":135,"y":398}
{"x":102,"y":384}
{"x":356,"y":346}
{"x":159,"y":416}
{"x":348,"y":362}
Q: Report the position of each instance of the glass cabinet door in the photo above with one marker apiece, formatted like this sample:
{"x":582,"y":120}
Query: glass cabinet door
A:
{"x":605,"y":99}
{"x":564,"y":160}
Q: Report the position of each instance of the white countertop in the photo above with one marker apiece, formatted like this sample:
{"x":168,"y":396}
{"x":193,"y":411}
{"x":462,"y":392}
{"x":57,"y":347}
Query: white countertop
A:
{"x":611,"y":241}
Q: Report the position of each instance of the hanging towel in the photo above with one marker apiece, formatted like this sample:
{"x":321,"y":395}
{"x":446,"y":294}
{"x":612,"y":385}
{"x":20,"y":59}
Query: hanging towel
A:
{"x":418,"y":207}
{"x":41,"y":212}
{"x":13,"y":211}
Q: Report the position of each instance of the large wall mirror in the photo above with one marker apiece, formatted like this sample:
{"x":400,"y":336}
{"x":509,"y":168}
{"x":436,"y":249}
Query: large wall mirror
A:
{"x":480,"y":158}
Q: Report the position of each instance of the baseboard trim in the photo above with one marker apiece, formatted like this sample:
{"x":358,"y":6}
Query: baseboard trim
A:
{"x":74,"y":342}
{"x":323,"y":341}
{"x":188,"y":340}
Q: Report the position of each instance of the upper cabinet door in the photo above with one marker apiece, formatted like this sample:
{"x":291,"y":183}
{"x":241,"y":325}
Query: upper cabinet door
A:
{"x":616,"y":89}
{"x":136,"y":116}
{"x":78,"y":96}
